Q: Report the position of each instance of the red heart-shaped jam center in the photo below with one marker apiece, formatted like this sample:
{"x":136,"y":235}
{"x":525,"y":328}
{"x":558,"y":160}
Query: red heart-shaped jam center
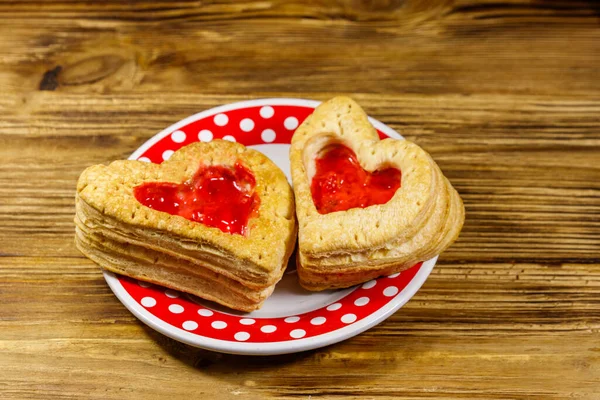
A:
{"x":340,"y":183}
{"x":217,"y":196}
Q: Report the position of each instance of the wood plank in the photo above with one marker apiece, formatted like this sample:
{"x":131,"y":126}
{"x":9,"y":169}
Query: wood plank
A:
{"x":506,"y":172}
{"x":426,"y":368}
{"x":473,"y":331}
{"x":466,"y":299}
{"x":388,"y":47}
{"x":504,"y":94}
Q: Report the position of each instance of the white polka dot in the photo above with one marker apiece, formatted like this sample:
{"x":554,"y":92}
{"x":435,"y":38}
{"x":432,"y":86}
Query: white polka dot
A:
{"x":298,"y":333}
{"x":390,"y":291}
{"x":205,"y":313}
{"x":205,"y":135}
{"x":247,"y":321}
{"x":219,"y":325}
{"x":144,"y":159}
{"x":144,"y":284}
{"x":167,"y":154}
{"x":190,"y":325}
{"x":241,"y":336}
{"x":291,"y":320}
{"x":361,"y":301}
{"x":178,"y":136}
{"x":221,"y":119}
{"x":268,"y":135}
{"x":267,"y":112}
{"x":290,"y":123}
{"x":348,"y":318}
{"x":229,"y":138}
{"x":148,"y":302}
{"x":370,"y":284}
{"x":334,"y":306}
{"x":268,"y":328}
{"x":171,"y":293}
{"x":176,"y":308}
{"x":246,"y":124}
{"x":394,"y":275}
{"x":318,"y":320}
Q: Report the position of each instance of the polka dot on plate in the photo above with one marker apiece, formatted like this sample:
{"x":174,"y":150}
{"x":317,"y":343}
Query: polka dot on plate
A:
{"x":190,"y":325}
{"x":205,"y":313}
{"x":348,"y":318}
{"x":178,"y":136}
{"x":171,"y":294}
{"x":298,"y":333}
{"x":167,"y":154}
{"x":290,"y":123}
{"x":318,"y":320}
{"x":267,"y":112}
{"x":394,"y":275}
{"x":390,"y":291}
{"x":144,"y":284}
{"x":361,"y":301}
{"x":219,"y":325}
{"x":291,"y":320}
{"x":241,"y":336}
{"x":334,"y":306}
{"x":148,"y":302}
{"x":268,"y":135}
{"x":247,"y":321}
{"x":246,"y":124}
{"x":229,"y":138}
{"x":176,"y":308}
{"x":221,"y":119}
{"x":144,"y":159}
{"x":268,"y":328}
{"x":205,"y":135}
{"x":370,"y":284}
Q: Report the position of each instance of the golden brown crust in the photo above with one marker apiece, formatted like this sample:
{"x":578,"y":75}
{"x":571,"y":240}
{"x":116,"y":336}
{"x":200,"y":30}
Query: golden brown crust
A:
{"x":344,"y":248}
{"x":341,"y":120}
{"x":168,"y":276}
{"x":201,"y":254}
{"x":132,"y":251}
{"x":124,"y":236}
{"x":315,"y":281}
{"x":109,"y":189}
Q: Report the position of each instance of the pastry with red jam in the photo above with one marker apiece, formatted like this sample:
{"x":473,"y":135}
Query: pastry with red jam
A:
{"x":216,"y":220}
{"x":366,"y":207}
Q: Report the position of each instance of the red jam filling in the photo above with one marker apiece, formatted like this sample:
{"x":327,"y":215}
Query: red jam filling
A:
{"x":340,"y":183}
{"x":217,"y":196}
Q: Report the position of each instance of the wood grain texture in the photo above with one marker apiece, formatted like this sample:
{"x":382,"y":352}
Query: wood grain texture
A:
{"x":504,"y":94}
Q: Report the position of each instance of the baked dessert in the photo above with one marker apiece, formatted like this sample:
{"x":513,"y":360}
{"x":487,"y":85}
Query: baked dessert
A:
{"x":366,"y":207}
{"x":216,"y":220}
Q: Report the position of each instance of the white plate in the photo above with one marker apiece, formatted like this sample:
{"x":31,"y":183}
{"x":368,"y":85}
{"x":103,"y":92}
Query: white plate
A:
{"x":292,"y":319}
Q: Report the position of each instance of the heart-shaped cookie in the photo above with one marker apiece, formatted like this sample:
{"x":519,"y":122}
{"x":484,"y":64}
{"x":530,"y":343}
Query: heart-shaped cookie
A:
{"x":215,"y":220}
{"x":413,"y":215}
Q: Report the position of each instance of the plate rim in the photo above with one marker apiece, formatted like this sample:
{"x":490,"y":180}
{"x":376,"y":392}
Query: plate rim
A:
{"x":274,"y":101}
{"x":271,"y":348}
{"x":263,"y":348}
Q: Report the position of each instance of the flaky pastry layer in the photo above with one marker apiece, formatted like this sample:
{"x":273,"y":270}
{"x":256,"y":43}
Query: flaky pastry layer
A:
{"x":109,"y":190}
{"x":343,"y":248}
{"x":202,"y":254}
{"x":124,"y":236}
{"x":169,"y":275}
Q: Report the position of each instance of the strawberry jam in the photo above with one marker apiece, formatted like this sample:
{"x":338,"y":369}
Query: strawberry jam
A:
{"x":217,"y":196}
{"x":340,"y":183}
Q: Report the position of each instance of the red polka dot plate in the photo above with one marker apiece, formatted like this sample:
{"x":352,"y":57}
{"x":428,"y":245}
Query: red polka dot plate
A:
{"x":292,"y":319}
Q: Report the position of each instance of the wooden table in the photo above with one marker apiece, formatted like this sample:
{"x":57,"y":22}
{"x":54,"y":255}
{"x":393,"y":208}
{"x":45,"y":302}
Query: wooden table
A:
{"x":504,"y":95}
